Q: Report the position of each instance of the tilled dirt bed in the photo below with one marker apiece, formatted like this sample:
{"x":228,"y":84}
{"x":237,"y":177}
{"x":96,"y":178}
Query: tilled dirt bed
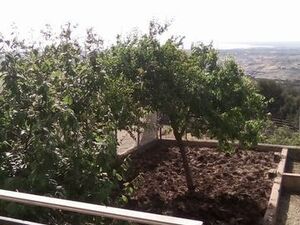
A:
{"x":231,"y":189}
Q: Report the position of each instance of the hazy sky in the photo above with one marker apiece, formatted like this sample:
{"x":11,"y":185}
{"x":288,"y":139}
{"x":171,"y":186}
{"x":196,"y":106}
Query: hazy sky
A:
{"x":198,"y":20}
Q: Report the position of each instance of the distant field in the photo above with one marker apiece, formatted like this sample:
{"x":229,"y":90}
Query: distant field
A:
{"x":271,"y":63}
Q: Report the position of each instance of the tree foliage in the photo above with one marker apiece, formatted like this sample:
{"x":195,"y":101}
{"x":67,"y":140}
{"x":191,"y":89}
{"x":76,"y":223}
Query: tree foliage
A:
{"x":59,"y":112}
{"x":280,"y":135}
{"x":232,"y":109}
{"x":192,"y":88}
{"x":283,"y":99}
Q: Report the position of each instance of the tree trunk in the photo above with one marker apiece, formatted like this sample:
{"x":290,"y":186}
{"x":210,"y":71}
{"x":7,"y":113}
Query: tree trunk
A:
{"x":187,"y":169}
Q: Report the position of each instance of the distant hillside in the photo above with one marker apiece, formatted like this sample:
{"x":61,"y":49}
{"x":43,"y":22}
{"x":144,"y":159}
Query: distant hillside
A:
{"x":272,"y":63}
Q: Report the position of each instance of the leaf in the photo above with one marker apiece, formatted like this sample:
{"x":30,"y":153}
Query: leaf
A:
{"x":125,"y":199}
{"x":68,"y":100}
{"x":119,"y":177}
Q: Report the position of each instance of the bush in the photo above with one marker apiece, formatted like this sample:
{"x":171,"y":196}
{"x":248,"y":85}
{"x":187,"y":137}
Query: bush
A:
{"x":273,"y":134}
{"x":57,"y":131}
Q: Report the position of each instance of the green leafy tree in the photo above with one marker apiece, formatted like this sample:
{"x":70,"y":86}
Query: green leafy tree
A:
{"x":191,"y":88}
{"x":57,"y":123}
{"x":283,"y":99}
{"x":274,"y":93}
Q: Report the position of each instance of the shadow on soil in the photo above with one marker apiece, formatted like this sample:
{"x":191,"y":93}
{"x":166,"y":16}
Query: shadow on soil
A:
{"x":224,"y":209}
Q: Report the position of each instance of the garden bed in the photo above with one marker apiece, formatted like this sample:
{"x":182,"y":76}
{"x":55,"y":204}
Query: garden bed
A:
{"x":230,"y":189}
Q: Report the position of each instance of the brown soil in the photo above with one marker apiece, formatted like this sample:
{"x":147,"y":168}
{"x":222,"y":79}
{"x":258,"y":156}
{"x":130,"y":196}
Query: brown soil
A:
{"x":230,"y":189}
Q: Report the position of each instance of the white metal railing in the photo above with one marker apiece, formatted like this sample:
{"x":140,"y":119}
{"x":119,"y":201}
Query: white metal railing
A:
{"x":11,"y":221}
{"x":95,"y":210}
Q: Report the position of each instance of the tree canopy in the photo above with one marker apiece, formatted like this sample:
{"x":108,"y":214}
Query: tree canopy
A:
{"x":192,"y":88}
{"x":58,"y":117}
{"x":283,"y":99}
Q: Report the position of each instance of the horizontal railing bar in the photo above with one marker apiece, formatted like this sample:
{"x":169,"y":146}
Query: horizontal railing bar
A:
{"x":12,"y":221}
{"x":95,"y":210}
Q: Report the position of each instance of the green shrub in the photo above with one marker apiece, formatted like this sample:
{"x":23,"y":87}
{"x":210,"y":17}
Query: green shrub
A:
{"x":57,"y":131}
{"x":273,"y":134}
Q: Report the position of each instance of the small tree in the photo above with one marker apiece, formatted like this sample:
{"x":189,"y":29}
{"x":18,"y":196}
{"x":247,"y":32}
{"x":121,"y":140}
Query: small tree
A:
{"x":57,"y":123}
{"x":193,"y":89}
